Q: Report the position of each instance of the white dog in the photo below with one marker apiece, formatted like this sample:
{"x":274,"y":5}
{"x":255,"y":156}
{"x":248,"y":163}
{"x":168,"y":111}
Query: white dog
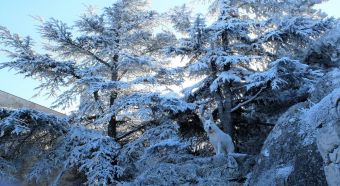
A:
{"x":222,"y":142}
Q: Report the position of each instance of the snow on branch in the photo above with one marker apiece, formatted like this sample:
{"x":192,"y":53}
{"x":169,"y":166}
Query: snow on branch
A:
{"x":180,"y":16}
{"x":278,"y":74}
{"x":144,"y":106}
{"x":59,"y":33}
{"x":248,"y":101}
{"x":24,"y":121}
{"x":165,"y":131}
{"x":302,"y":28}
{"x":133,"y":62}
{"x":43,"y":67}
{"x":91,"y":23}
{"x":93,"y":153}
{"x":61,"y":148}
{"x":223,"y":77}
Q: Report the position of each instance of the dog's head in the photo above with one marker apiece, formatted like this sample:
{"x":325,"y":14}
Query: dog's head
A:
{"x":209,"y":126}
{"x":208,"y":122}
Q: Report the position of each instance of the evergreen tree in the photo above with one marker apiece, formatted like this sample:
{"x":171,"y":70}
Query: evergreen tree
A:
{"x":253,"y":51}
{"x":100,"y":58}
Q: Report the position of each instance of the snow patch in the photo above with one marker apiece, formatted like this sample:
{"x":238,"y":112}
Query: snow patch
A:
{"x":284,"y":171}
{"x":265,"y":152}
{"x":320,"y":113}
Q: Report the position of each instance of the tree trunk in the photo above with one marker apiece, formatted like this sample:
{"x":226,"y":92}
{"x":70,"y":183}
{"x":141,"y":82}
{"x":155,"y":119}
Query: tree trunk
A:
{"x":112,"y":127}
{"x":223,"y":96}
{"x":97,"y":98}
{"x":224,"y":105}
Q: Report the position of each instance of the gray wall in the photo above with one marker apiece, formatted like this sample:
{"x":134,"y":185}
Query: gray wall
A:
{"x":13,"y":102}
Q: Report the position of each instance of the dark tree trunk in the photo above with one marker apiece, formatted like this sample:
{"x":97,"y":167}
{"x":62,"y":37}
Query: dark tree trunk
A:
{"x":224,"y":105}
{"x":225,"y":94}
{"x":112,"y":127}
{"x":97,"y":99}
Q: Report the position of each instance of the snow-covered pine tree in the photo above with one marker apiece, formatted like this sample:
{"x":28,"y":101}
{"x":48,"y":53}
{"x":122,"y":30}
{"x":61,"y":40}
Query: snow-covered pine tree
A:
{"x":251,"y":52}
{"x":38,"y":148}
{"x":100,"y":58}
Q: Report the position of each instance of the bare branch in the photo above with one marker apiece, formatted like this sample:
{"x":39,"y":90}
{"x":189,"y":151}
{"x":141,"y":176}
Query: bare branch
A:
{"x":89,"y":53}
{"x":248,"y":101}
{"x":142,"y":126}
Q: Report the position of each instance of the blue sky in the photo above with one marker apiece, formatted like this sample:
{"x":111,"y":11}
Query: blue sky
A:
{"x":16,"y":15}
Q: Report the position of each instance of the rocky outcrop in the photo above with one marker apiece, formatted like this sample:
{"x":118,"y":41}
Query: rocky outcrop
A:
{"x":297,"y":152}
{"x":328,"y":140}
{"x":325,"y":86}
{"x":325,"y":51}
{"x":328,"y":135}
{"x":284,"y":160}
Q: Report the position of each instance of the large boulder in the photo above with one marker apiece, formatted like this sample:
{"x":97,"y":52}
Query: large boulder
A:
{"x":325,"y":85}
{"x":325,"y":52}
{"x":328,"y":140}
{"x":328,"y":134}
{"x":290,"y":155}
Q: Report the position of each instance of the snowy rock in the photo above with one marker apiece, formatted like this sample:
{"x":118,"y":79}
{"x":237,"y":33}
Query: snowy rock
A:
{"x":307,"y":135}
{"x":332,"y":172}
{"x":265,"y":152}
{"x":289,"y":162}
{"x":323,"y":113}
{"x":326,"y":85}
{"x":328,"y":140}
{"x":325,"y":51}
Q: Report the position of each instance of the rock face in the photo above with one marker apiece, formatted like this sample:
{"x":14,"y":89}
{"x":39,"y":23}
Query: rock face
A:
{"x":326,"y":85}
{"x":328,"y":136}
{"x":284,"y":160}
{"x":303,"y":147}
{"x":325,"y":52}
{"x":328,"y":140}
